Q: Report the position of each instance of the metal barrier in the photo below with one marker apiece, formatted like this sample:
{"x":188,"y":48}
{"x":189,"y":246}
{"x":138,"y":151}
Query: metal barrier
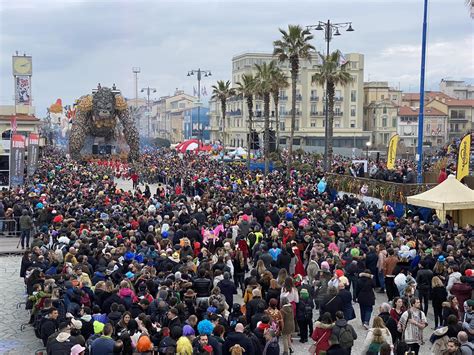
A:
{"x":12,"y":230}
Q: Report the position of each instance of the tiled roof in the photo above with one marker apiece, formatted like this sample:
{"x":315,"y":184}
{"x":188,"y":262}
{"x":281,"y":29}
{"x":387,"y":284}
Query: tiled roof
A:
{"x":459,"y":103}
{"x":429,"y":111}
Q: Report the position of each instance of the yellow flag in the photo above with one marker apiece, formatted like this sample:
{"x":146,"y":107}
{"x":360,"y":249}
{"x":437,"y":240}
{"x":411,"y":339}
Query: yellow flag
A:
{"x":392,"y":151}
{"x":464,"y":155}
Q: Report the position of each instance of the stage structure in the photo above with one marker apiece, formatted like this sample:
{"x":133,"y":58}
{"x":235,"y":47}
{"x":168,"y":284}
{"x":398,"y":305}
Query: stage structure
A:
{"x":101,"y":118}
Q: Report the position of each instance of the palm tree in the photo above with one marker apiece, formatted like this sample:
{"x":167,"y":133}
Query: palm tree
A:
{"x":263,"y":87}
{"x":470,"y":5}
{"x":222,"y":92}
{"x":293,"y":46}
{"x":246,"y":88}
{"x":331,"y":73}
{"x":279,"y":81}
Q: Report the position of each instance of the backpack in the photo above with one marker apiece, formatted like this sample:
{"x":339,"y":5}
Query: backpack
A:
{"x":373,"y":349}
{"x":346,"y":340}
{"x":469,"y":346}
{"x":237,"y":350}
{"x":37,"y":322}
{"x":128,"y":300}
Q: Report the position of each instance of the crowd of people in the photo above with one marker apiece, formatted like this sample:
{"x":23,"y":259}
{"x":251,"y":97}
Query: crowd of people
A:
{"x":222,"y":260}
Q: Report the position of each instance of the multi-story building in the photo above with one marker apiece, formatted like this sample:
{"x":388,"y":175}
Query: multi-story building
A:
{"x":435,"y":128}
{"x":381,"y":104}
{"x":310,"y":107}
{"x":457,"y":89}
{"x":167,"y":116}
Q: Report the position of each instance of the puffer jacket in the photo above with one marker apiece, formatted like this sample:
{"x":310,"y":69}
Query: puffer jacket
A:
{"x":202,"y":287}
{"x":365,"y":290}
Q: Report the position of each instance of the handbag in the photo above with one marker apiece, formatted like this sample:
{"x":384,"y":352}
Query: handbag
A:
{"x":313,"y":348}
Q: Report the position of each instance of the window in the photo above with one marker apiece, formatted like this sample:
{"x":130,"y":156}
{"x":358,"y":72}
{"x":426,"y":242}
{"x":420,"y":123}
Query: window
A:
{"x":282,"y":125}
{"x":338,"y":94}
{"x":440,"y":127}
{"x":297,"y":125}
{"x":384,"y":109}
{"x":313,"y":123}
{"x":353,"y":111}
{"x":428,"y":127}
{"x":354,"y":65}
{"x":394,"y":97}
{"x":296,"y":141}
{"x":337,"y":124}
{"x":314,"y":109}
{"x":382,"y":97}
{"x":384,"y":121}
{"x":353,"y":95}
{"x":283,"y":141}
{"x":282,"y":110}
{"x":337,"y":111}
{"x":394,"y":122}
{"x":353,"y":124}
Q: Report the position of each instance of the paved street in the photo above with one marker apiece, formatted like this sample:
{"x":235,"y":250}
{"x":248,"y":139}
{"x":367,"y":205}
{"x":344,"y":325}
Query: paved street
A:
{"x":15,"y":341}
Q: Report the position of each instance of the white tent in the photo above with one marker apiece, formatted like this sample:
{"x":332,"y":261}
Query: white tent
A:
{"x":241,"y":152}
{"x":449,"y":196}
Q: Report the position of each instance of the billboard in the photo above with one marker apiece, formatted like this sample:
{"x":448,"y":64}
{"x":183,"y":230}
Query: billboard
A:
{"x":23,"y":90}
{"x":17,"y":160}
{"x":33,"y":153}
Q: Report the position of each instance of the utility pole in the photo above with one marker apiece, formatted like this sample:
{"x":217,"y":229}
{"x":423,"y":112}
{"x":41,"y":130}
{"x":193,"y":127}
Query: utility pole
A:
{"x":199,"y":74}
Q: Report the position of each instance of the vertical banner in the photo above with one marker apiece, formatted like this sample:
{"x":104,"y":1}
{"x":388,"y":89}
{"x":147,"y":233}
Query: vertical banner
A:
{"x":392,"y":151}
{"x":17,"y":160}
{"x":464,"y":156}
{"x":23,"y":90}
{"x":33,"y":153}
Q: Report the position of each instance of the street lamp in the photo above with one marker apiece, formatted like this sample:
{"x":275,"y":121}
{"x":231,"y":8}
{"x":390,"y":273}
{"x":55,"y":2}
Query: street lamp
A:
{"x":330,"y":30}
{"x":199,"y":74}
{"x":368,"y":145}
{"x":148,"y":90}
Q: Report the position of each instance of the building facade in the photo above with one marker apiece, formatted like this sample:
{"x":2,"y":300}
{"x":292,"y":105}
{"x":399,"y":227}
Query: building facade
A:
{"x":381,"y":104}
{"x":310,"y":107}
{"x":457,"y":89}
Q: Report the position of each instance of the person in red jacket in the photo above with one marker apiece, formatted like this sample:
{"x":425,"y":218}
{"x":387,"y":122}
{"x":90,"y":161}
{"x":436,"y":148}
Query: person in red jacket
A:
{"x":322,"y":332}
{"x":442,"y":175}
{"x":134,"y":177}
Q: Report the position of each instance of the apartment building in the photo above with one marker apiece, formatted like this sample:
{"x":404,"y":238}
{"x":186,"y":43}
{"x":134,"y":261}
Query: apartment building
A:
{"x":457,"y":89}
{"x":381,"y":104}
{"x":310,"y":107}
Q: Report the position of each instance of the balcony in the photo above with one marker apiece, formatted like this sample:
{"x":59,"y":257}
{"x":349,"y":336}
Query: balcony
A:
{"x":338,"y":114}
{"x":283,"y":98}
{"x":314,"y":98}
{"x":340,"y":98}
{"x":299,"y":97}
{"x":458,"y":118}
{"x":233,"y":113}
{"x":313,"y":114}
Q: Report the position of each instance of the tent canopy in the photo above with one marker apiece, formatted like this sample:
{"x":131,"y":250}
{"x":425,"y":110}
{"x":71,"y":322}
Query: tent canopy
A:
{"x":191,"y":145}
{"x":450,"y":195}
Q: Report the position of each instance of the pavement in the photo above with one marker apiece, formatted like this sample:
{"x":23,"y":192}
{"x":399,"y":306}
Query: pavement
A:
{"x":14,"y":339}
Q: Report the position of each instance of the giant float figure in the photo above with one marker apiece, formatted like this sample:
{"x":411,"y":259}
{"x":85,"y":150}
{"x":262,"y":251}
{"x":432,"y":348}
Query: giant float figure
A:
{"x":96,"y":115}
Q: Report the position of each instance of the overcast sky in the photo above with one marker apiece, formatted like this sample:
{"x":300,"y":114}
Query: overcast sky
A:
{"x":77,"y":44}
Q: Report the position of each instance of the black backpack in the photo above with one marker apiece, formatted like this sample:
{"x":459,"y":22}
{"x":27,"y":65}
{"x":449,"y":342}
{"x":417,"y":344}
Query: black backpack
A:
{"x":37,"y":323}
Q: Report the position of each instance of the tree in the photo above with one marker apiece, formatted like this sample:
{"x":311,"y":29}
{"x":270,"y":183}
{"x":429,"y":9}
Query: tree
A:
{"x":263,"y":87}
{"x":246,"y":88}
{"x":331,"y":73}
{"x":279,"y":81}
{"x":293,"y":46}
{"x":222,"y":92}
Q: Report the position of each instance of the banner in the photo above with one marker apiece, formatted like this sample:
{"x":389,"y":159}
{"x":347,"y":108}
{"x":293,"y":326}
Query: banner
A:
{"x":17,"y":160}
{"x":23,"y":90}
{"x":392,"y":152}
{"x":33,"y":153}
{"x":464,"y":155}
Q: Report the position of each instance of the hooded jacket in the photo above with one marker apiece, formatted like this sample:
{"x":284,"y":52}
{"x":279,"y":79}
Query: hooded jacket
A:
{"x":321,"y":334}
{"x":365,"y":290}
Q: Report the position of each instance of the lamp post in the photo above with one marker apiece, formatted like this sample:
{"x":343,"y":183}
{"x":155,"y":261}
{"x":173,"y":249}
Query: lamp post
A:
{"x":199,"y":74}
{"x":148,"y":90}
{"x":368,"y":145}
{"x":330,"y":29}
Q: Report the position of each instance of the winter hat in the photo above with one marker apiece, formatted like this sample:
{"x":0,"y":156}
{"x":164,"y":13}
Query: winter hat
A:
{"x":441,"y":259}
{"x":339,"y":273}
{"x":144,"y":344}
{"x":355,"y":252}
{"x":304,"y":294}
{"x":188,"y":330}
{"x":77,"y":349}
{"x":77,"y":324}
{"x":98,"y":327}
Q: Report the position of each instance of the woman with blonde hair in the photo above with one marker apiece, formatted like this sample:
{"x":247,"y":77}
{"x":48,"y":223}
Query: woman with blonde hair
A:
{"x":375,"y":342}
{"x":273,"y":291}
{"x":282,"y":275}
{"x":439,"y":294}
{"x":378,"y":327}
{"x":260,"y":267}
